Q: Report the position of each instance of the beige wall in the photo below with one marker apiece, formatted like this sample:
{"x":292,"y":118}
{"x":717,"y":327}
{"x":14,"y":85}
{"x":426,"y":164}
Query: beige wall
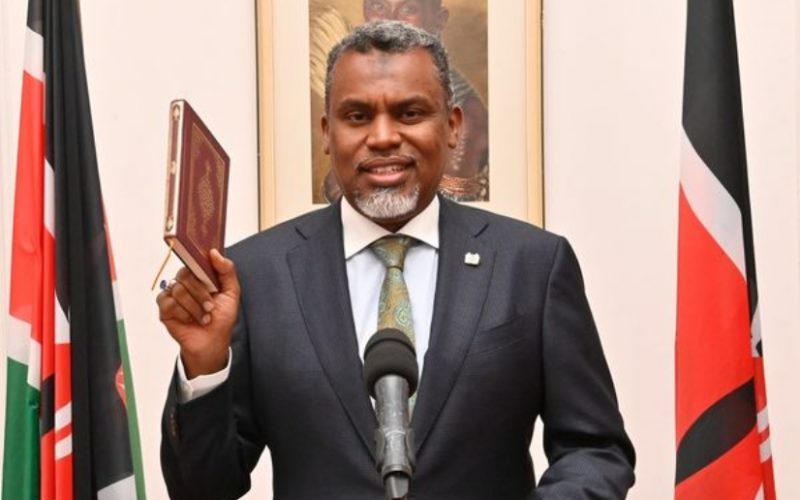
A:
{"x":612,"y":104}
{"x":613,"y":90}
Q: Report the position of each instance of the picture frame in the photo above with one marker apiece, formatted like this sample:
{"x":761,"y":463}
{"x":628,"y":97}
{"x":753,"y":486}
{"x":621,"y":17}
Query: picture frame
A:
{"x":515,"y":121}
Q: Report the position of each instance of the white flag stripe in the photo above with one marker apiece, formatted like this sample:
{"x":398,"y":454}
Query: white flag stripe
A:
{"x":18,"y":341}
{"x":755,"y":333}
{"x":124,"y":489}
{"x":712,"y":204}
{"x":34,"y":364}
{"x":117,"y":302}
{"x":765,"y":450}
{"x":64,"y":447}
{"x":760,"y":493}
{"x":62,"y":326}
{"x":763,"y":420}
{"x":63,"y":416}
{"x":49,"y":199}
{"x":34,"y":54}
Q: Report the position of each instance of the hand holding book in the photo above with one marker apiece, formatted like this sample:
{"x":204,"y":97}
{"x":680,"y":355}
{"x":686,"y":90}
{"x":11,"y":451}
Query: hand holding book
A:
{"x":200,"y":321}
{"x":200,"y":306}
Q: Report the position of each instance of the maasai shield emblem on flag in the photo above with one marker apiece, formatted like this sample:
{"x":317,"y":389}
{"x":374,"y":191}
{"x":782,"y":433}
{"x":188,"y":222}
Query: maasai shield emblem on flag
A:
{"x":70,"y":415}
{"x":722,"y":431}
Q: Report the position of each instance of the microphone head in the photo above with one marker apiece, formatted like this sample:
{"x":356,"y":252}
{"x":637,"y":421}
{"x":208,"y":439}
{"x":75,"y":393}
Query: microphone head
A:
{"x":390,"y":352}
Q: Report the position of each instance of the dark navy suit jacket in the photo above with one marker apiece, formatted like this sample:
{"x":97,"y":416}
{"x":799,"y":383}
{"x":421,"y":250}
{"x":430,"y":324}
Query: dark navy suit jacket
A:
{"x":511,"y":339}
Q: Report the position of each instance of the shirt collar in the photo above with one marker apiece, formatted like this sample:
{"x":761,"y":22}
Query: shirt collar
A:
{"x":359,"y":232}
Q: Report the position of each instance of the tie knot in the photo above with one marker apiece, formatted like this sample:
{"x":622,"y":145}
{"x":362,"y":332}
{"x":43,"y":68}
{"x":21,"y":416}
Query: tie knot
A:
{"x":391,"y":250}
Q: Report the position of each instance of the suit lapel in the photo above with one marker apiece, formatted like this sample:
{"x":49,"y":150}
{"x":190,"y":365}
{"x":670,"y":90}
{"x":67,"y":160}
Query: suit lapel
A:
{"x":320,"y":280}
{"x":460,"y":293}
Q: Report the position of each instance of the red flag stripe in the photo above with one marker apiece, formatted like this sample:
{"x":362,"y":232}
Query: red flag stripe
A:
{"x":64,"y":476}
{"x":734,"y":476}
{"x":25,"y":300}
{"x":768,"y":488}
{"x":712,"y":314}
{"x":47,"y":480}
{"x":27,"y":248}
{"x":63,"y":389}
{"x":48,"y":290}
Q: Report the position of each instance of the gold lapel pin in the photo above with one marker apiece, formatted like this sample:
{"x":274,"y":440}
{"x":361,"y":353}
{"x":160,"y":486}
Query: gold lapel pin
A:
{"x":472,"y":259}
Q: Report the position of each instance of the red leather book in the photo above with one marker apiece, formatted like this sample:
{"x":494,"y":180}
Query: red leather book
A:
{"x":197,"y":192}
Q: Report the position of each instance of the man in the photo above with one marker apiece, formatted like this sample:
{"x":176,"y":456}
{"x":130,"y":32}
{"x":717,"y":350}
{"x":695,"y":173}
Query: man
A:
{"x":466,"y":174}
{"x":501,"y":325}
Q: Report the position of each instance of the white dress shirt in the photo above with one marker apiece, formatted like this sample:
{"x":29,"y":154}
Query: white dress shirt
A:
{"x":365,"y":274}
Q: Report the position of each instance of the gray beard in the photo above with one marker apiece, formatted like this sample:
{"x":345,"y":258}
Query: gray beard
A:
{"x":386,"y":203}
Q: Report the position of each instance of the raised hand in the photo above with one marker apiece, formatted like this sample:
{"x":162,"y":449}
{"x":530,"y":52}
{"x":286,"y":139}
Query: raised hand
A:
{"x":202,"y":322}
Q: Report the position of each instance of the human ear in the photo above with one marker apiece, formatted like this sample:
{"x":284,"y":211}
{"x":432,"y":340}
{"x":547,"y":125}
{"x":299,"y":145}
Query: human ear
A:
{"x":326,"y":142}
{"x":455,"y":120}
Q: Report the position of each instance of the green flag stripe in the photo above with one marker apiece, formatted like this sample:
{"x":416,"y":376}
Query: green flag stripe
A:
{"x":130,"y":398}
{"x":133,"y":425}
{"x":21,"y":447}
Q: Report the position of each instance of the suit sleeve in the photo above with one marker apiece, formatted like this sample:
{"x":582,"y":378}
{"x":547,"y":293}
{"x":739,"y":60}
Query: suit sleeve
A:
{"x":589,"y":452}
{"x":210,"y":445}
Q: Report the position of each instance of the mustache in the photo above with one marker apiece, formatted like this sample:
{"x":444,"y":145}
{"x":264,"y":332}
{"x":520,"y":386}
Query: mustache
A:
{"x":383,"y":161}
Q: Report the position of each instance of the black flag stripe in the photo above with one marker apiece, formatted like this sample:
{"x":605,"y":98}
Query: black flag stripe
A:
{"x":717,"y":430}
{"x":36,"y":16}
{"x":712,"y":109}
{"x":47,"y":413}
{"x":101,"y":444}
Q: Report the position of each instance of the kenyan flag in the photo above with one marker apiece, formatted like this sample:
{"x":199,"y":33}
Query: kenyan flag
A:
{"x":722,"y":425}
{"x":71,"y":427}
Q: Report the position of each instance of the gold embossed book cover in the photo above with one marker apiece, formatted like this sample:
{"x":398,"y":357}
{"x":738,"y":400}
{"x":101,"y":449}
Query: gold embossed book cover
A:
{"x":197,"y":192}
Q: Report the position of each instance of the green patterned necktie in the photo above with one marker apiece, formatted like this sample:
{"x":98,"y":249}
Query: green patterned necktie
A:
{"x":394,"y":307}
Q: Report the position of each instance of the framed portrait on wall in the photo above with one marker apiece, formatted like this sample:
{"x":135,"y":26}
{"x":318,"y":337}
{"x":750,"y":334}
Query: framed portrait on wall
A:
{"x":495,"y":53}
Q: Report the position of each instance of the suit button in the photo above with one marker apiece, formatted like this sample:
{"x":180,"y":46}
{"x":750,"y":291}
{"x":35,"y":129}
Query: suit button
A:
{"x":173,"y":424}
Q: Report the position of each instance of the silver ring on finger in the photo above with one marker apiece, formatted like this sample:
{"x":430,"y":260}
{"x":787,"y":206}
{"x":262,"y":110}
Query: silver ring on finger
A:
{"x":167,"y":285}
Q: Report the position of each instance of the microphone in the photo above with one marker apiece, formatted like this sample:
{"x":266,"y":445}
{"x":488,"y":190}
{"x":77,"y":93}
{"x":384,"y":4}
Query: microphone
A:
{"x":391,"y":375}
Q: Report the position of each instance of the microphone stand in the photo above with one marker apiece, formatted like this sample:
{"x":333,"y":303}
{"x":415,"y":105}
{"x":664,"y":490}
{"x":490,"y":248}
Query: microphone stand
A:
{"x":391,"y":375}
{"x":395,"y":441}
